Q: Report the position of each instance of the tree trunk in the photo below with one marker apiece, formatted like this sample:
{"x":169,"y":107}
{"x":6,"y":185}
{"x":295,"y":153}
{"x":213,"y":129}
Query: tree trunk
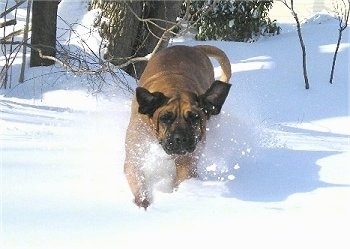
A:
{"x":44,"y":20}
{"x":127,"y":33}
{"x":303,"y":49}
{"x":121,"y":28}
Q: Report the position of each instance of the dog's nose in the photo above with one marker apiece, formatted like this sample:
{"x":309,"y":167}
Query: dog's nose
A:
{"x":179,"y":139}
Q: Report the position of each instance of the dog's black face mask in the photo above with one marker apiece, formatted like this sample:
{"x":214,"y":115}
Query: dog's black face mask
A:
{"x":180,"y":129}
{"x":180,"y":121}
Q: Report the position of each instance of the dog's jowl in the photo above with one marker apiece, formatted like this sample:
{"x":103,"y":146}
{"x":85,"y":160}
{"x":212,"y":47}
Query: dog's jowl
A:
{"x":176,"y":96}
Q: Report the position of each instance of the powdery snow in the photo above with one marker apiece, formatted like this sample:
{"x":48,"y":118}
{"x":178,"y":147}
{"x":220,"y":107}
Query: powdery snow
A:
{"x":275,"y":172}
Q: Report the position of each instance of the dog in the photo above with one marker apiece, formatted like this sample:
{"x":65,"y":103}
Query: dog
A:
{"x":177,"y":94}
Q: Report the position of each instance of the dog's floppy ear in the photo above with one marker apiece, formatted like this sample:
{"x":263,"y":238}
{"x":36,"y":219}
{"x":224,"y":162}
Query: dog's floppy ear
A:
{"x":149,"y":102}
{"x":213,"y":99}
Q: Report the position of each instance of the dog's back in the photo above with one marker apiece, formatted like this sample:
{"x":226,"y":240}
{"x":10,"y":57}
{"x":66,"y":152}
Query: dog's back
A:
{"x":193,"y":62}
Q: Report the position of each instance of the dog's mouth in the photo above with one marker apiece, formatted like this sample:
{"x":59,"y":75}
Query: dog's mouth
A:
{"x":170,"y":150}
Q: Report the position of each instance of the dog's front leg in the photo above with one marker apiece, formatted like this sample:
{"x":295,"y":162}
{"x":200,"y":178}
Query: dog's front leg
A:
{"x":136,"y":147}
{"x":186,"y":167}
{"x":137,"y":183}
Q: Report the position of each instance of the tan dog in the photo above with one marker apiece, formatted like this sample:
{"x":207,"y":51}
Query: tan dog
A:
{"x":177,"y":94}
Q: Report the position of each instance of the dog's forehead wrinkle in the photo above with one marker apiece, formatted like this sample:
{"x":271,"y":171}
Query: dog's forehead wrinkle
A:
{"x":183,"y":100}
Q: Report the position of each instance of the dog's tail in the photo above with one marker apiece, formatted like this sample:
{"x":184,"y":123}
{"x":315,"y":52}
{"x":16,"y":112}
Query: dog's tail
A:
{"x":221,"y":57}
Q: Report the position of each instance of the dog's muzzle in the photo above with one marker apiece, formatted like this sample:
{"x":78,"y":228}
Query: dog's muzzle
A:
{"x":179,"y":143}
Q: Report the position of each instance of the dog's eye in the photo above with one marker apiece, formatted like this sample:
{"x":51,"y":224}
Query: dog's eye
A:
{"x":193,"y":117}
{"x":167,"y":118}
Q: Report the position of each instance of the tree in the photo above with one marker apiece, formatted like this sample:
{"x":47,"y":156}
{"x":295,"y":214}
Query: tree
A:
{"x":302,"y":44}
{"x":43,"y":39}
{"x":343,"y":11}
{"x":133,"y":29}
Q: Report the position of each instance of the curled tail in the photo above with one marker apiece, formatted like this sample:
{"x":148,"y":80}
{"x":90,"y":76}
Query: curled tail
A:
{"x":221,"y":57}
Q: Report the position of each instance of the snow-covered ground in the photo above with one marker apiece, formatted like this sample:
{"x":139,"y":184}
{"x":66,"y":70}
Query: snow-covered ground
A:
{"x":275,"y":173}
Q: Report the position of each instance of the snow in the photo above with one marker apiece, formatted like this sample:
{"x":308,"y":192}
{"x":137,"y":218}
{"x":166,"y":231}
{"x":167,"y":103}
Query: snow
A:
{"x":274,"y":174}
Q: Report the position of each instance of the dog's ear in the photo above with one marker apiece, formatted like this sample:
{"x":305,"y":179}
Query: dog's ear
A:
{"x":149,"y":102}
{"x":213,"y":99}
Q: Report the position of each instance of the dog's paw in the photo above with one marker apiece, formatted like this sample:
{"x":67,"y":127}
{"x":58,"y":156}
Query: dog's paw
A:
{"x":142,"y":202}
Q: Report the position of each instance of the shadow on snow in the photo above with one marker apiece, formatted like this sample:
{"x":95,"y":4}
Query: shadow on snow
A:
{"x":278,"y":173}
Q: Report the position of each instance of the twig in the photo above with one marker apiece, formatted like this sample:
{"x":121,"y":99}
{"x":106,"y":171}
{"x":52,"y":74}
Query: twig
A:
{"x":12,"y":34}
{"x":151,"y":20}
{"x":25,"y":38}
{"x":8,"y":64}
{"x":8,"y":23}
{"x":19,"y":3}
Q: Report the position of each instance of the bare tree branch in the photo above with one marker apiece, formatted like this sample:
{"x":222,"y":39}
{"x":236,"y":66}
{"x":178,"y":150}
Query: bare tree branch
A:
{"x":25,"y":38}
{"x":302,"y":44}
{"x":165,"y":35}
{"x":151,"y":20}
{"x":8,"y":23}
{"x":86,"y":61}
{"x":13,"y":34}
{"x":19,"y":3}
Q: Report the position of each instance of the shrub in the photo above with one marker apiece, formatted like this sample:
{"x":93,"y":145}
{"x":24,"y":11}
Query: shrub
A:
{"x":231,"y":20}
